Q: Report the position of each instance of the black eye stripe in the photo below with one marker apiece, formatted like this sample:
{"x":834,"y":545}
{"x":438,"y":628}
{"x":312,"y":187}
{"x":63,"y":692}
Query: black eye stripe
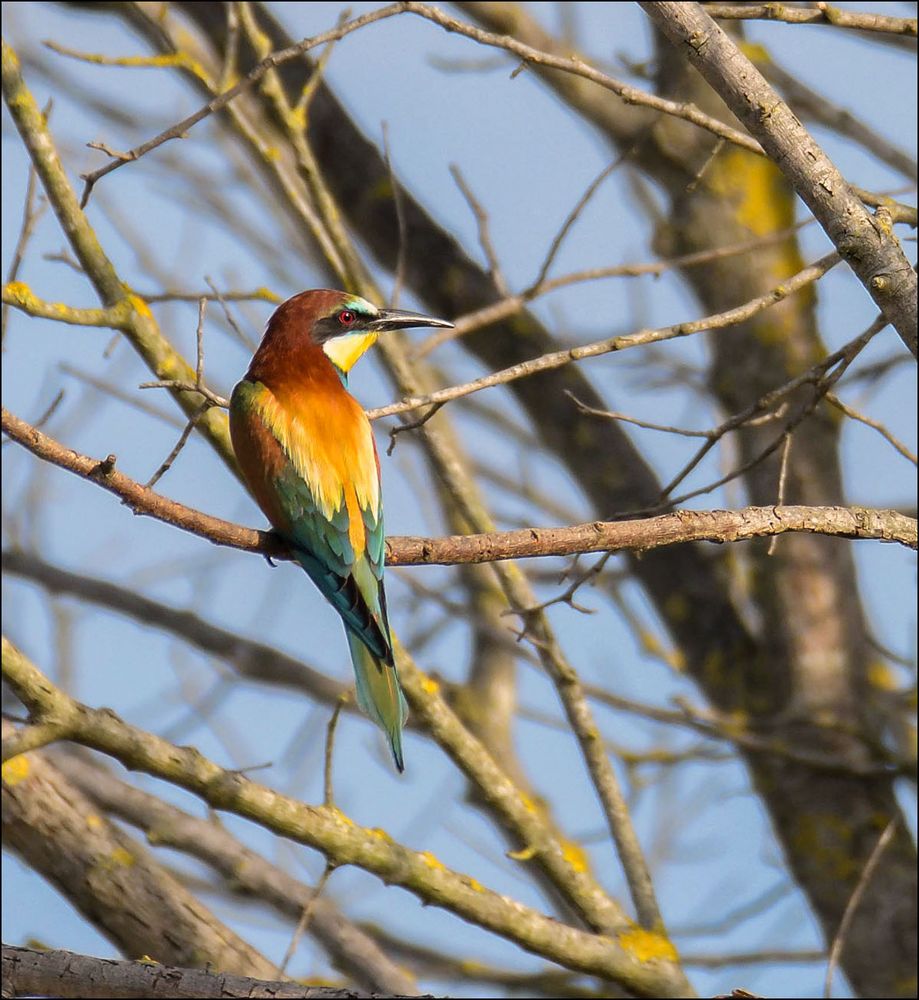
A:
{"x":332,"y":326}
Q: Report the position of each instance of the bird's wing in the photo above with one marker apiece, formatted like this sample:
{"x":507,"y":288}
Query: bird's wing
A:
{"x":319,"y":487}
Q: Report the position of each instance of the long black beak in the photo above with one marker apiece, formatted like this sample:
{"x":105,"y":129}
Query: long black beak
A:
{"x":400,"y":319}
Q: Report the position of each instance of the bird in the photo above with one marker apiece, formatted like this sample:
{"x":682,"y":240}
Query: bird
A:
{"x":306,"y":452}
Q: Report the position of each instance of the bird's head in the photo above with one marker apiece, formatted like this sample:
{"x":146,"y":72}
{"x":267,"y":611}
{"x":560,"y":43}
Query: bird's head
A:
{"x":344,"y":326}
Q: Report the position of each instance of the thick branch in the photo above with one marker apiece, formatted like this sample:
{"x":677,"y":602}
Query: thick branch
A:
{"x":512,"y":806}
{"x":623,"y":957}
{"x":351,"y":949}
{"x":108,"y":875}
{"x":27,"y":972}
{"x":867,"y":243}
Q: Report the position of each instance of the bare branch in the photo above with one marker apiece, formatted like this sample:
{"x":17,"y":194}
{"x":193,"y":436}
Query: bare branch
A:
{"x":165,"y":825}
{"x":854,"y":414}
{"x":129,"y":313}
{"x":485,"y":241}
{"x":819,"y":13}
{"x":28,"y":972}
{"x":20,"y":296}
{"x":865,"y":242}
{"x":30,"y":216}
{"x":856,"y":898}
{"x":254,"y":661}
{"x":181,"y":129}
{"x":138,"y":905}
{"x":835,"y":364}
{"x":557,"y":359}
{"x":494,"y":312}
{"x":598,"y":536}
{"x":577,"y":67}
{"x":810,"y":104}
{"x":345,"y":843}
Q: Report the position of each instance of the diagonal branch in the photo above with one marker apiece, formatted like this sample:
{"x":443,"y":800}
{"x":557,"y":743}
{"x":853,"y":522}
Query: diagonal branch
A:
{"x":352,"y":950}
{"x":133,"y":314}
{"x":643,"y":962}
{"x":180,"y":129}
{"x":107,"y":874}
{"x":866,"y":243}
{"x":557,"y":359}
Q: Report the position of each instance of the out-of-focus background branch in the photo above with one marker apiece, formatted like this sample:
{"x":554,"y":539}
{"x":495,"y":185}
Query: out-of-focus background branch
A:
{"x":596,"y":738}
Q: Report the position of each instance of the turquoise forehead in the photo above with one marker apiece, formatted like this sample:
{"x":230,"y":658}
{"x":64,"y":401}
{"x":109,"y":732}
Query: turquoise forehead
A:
{"x":356,"y":304}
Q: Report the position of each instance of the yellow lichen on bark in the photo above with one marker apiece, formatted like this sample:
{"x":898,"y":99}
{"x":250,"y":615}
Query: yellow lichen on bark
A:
{"x":14,"y":770}
{"x":647,"y":946}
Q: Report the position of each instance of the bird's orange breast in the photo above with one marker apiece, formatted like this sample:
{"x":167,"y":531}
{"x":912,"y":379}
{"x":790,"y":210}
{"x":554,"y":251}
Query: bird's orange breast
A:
{"x":328,"y":439}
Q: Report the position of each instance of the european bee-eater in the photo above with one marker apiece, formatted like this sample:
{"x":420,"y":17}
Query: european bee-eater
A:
{"x":306,"y":450}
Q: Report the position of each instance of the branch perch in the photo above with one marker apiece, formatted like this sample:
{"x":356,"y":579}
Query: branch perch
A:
{"x":526,"y":543}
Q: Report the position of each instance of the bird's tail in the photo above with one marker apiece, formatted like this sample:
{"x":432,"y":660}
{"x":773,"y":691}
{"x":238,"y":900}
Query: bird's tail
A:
{"x":379,"y":694}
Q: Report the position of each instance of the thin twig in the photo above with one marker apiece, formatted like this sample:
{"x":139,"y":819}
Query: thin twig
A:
{"x":783,"y":477}
{"x":180,"y":386}
{"x":199,"y":341}
{"x":228,"y":316}
{"x":701,"y":172}
{"x":613,"y":415}
{"x":63,"y":257}
{"x":402,"y":227}
{"x":818,"y":13}
{"x":50,"y":409}
{"x":832,"y":398}
{"x":724,"y":727}
{"x":46,"y":415}
{"x":821,"y":386}
{"x":315,"y":78}
{"x":485,"y":242}
{"x":512,"y":304}
{"x":768,"y":400}
{"x":204,"y":407}
{"x":305,"y":917}
{"x":116,"y":392}
{"x":412,"y":425}
{"x":329,"y":793}
{"x":575,"y":214}
{"x":558,"y":359}
{"x":30,"y":217}
{"x":231,"y":48}
{"x":181,"y":129}
{"x":567,"y":595}
{"x":854,"y":900}
{"x":179,"y":445}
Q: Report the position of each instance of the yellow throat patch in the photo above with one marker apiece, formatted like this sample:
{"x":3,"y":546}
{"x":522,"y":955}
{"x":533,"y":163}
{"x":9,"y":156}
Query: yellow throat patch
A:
{"x":344,"y":351}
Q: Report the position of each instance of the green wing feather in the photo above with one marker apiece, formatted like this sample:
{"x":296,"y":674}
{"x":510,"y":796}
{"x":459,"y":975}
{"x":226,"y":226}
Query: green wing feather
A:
{"x":352,"y":585}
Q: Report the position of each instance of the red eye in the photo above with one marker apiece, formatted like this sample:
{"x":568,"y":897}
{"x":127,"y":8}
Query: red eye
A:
{"x":346,"y":317}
